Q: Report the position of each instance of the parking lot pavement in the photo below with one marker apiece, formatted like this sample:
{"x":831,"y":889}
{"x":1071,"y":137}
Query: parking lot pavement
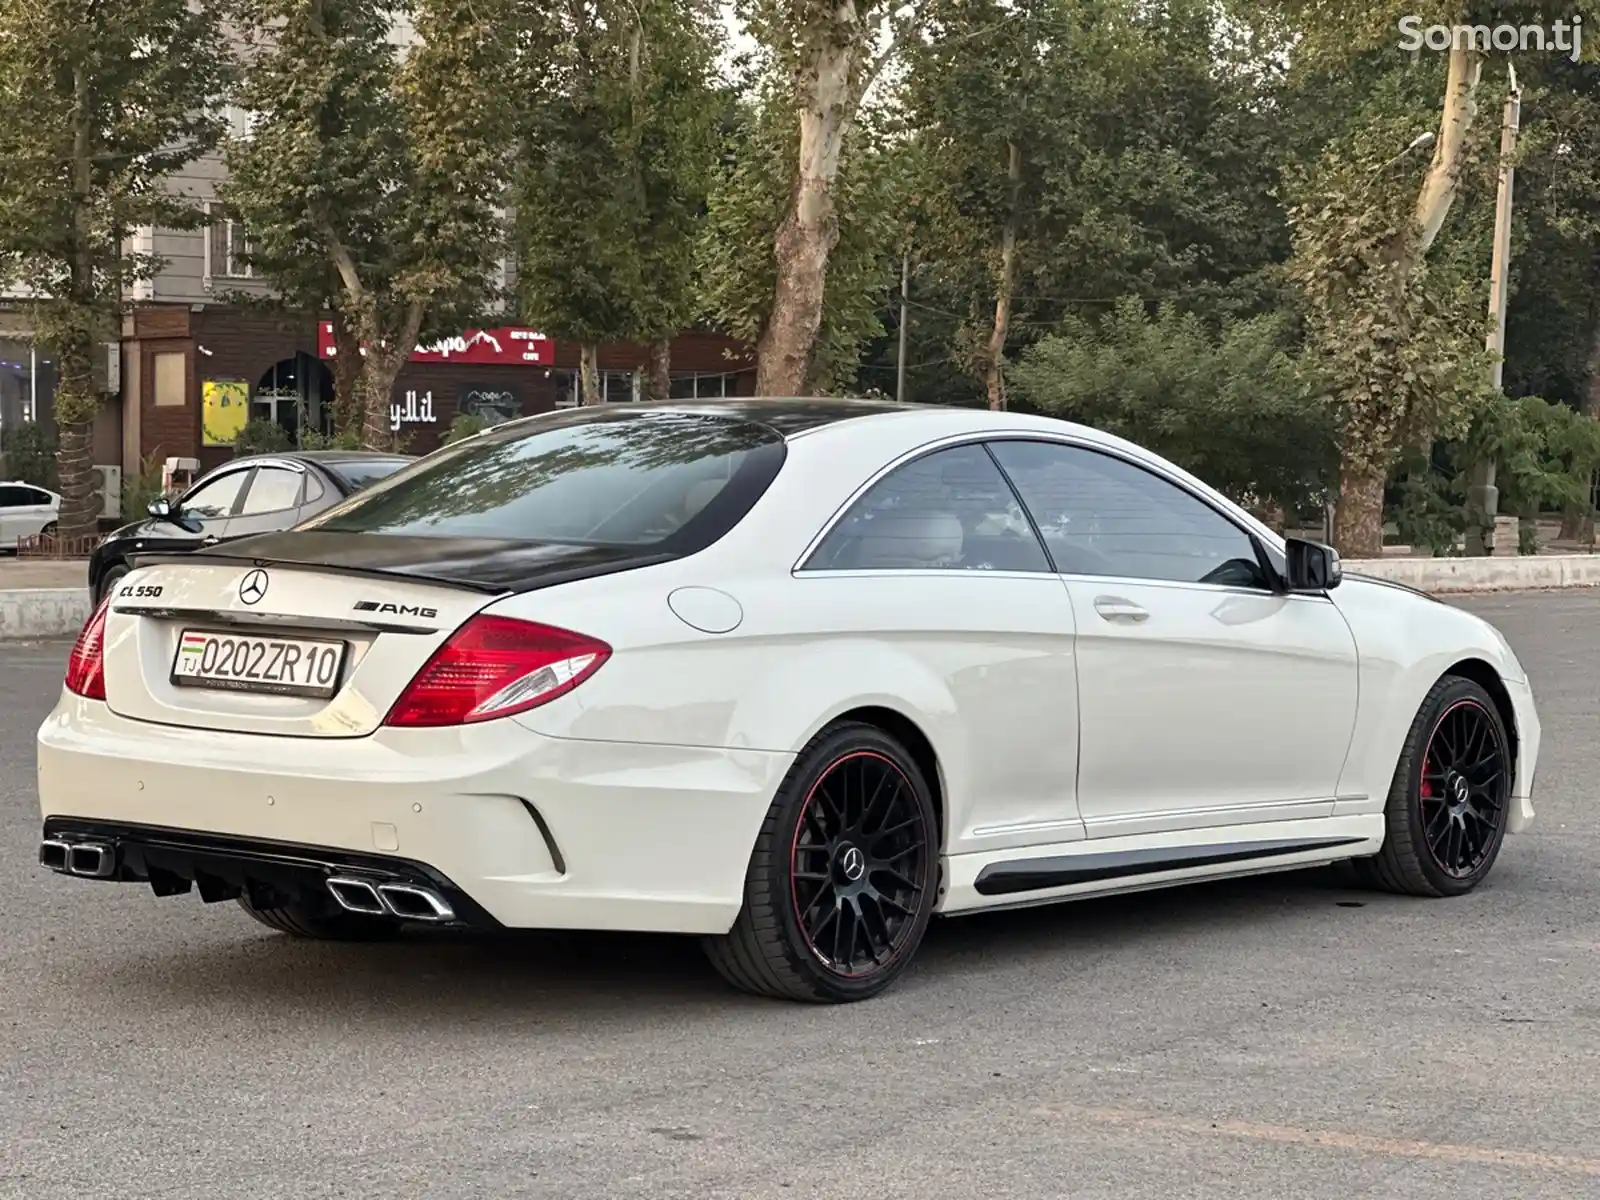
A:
{"x":1279,"y":1037}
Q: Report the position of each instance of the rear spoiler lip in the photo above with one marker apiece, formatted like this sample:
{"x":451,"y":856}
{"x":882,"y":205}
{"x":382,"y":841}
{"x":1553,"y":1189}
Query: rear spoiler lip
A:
{"x":238,"y":560}
{"x":532,"y":582}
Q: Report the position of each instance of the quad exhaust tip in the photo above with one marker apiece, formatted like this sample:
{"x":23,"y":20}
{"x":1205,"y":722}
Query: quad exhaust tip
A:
{"x":401,"y":900}
{"x":92,"y":860}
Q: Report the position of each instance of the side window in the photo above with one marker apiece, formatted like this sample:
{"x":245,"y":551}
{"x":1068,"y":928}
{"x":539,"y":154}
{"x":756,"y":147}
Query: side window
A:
{"x":32,"y":496}
{"x":314,"y":489}
{"x":274,"y":489}
{"x":215,"y":498}
{"x":949,"y":510}
{"x":12,"y":497}
{"x":1101,"y":515}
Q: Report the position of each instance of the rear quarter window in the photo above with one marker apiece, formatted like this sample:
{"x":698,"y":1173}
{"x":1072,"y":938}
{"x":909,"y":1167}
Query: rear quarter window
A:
{"x":668,"y":481}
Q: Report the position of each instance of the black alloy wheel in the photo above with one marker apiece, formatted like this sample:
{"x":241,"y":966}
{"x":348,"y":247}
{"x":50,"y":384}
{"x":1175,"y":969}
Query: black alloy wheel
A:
{"x":1451,"y":796}
{"x":1460,"y":792}
{"x":844,"y":875}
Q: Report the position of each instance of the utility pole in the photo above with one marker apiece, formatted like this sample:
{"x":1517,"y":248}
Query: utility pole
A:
{"x":1483,"y":497}
{"x":905,"y":295}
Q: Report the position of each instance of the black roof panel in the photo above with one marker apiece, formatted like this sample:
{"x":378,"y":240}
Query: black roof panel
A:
{"x":785,"y":416}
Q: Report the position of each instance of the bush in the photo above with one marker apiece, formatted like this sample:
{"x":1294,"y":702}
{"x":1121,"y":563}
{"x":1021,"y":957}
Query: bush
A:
{"x":1233,"y":406}
{"x":140,"y":489}
{"x":261,"y":436}
{"x":1545,"y":454}
{"x":464,"y":426}
{"x":315,"y":439}
{"x":30,"y":455}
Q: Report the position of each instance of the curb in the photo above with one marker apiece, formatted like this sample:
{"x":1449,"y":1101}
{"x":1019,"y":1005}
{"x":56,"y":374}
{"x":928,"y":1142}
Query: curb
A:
{"x":27,"y":613}
{"x":1490,"y":574}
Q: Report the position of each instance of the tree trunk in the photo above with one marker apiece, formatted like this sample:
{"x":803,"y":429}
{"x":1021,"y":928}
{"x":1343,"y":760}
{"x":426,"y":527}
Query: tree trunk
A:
{"x":378,"y":374}
{"x":74,"y":408}
{"x":380,"y":367}
{"x":347,"y":403}
{"x":1358,"y":519}
{"x":71,"y":335}
{"x":1005,"y":284}
{"x":660,"y":370}
{"x":810,"y":227}
{"x":589,"y":374}
{"x":1449,"y":151}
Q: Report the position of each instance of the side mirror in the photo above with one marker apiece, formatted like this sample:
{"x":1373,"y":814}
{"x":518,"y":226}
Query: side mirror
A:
{"x":1312,"y":567}
{"x":161,"y":508}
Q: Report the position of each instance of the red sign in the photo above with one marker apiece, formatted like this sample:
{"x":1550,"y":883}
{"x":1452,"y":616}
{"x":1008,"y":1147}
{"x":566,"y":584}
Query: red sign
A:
{"x":509,"y":346}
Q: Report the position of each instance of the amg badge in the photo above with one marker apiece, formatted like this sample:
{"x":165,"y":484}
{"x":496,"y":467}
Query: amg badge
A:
{"x":402,"y":610}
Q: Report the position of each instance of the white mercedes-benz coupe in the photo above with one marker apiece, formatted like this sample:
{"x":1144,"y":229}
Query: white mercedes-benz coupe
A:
{"x":793,"y":675}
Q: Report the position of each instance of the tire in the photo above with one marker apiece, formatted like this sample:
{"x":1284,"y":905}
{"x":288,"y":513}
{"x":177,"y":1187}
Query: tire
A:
{"x":322,"y":924}
{"x":882,"y":891}
{"x":1424,"y":800}
{"x":108,"y":581}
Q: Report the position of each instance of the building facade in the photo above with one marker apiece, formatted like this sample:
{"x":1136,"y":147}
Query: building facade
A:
{"x":200,"y":356}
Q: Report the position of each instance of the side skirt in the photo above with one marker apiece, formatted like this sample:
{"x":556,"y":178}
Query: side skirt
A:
{"x":1104,"y":866}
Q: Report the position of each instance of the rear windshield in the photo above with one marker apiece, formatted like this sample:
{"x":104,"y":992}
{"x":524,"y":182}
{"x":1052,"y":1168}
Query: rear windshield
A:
{"x":360,"y":472}
{"x":667,"y":480}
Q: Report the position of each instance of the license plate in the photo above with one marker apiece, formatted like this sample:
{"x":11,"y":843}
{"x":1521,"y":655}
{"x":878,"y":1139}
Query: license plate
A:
{"x":242,"y":663}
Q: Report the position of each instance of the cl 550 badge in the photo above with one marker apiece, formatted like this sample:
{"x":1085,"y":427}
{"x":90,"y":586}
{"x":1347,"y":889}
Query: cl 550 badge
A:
{"x":402,"y":610}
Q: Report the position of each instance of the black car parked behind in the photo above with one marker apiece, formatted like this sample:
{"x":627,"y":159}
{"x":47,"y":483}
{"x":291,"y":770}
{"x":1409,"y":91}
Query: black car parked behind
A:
{"x":262,"y":493}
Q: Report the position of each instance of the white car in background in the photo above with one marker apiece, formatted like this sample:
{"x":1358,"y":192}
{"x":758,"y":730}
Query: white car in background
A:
{"x":794,"y":675}
{"x":25,"y":511}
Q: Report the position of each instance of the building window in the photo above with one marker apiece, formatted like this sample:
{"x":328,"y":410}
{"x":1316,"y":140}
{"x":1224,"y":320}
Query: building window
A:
{"x":172,"y":383}
{"x":698,"y":386}
{"x":616,"y":387}
{"x":27,"y":382}
{"x":227,"y":248}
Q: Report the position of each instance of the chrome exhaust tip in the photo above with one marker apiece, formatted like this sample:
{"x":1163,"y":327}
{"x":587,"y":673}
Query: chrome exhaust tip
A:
{"x":357,"y":896}
{"x":92,"y":860}
{"x":415,"y":903}
{"x":54,"y":854}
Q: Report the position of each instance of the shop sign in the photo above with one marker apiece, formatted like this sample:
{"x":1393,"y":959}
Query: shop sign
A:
{"x":508,"y":346}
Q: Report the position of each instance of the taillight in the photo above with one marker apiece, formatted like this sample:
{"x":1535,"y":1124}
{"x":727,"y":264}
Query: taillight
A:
{"x":86,"y":665}
{"x":494,"y":667}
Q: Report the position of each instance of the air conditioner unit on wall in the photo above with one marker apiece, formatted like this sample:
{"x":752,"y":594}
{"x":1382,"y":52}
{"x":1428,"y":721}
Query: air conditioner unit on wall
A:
{"x":108,"y":486}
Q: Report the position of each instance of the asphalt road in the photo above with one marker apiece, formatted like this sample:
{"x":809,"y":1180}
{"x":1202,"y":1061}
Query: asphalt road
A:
{"x":1273,"y":1038}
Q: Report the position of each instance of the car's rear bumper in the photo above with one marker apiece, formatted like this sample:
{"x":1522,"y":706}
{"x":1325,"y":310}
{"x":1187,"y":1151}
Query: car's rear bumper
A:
{"x":532,"y":831}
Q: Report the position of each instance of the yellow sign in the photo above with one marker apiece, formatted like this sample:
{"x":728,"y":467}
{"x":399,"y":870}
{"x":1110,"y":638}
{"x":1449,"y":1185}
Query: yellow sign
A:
{"x":225,"y":409}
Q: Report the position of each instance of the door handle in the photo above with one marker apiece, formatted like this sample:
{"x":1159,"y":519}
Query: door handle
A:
{"x":209,"y":540}
{"x":1115,"y":608}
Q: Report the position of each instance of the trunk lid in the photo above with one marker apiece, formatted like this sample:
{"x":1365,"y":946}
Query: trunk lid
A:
{"x":372,"y":608}
{"x":385,"y":627}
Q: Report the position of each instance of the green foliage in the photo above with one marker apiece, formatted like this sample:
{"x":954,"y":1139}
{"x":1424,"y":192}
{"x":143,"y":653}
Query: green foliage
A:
{"x":261,"y":436}
{"x":1234,"y":407}
{"x":464,"y":425}
{"x":738,"y":267}
{"x":1398,"y":338}
{"x":1546,"y":455}
{"x":616,"y":147}
{"x":315,"y":439}
{"x":374,"y":177}
{"x":29,"y":452}
{"x":100,"y":105}
{"x":1151,"y":156}
{"x":142,"y":488}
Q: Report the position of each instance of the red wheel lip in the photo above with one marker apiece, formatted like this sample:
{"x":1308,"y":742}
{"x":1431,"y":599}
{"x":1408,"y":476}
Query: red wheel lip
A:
{"x":794,"y":845}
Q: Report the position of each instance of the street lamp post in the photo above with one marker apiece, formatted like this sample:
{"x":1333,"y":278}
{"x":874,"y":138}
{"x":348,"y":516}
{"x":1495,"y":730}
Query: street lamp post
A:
{"x":1483,"y":497}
